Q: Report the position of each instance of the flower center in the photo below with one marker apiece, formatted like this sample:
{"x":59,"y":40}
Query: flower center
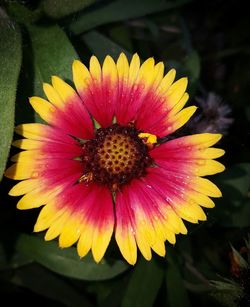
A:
{"x":115,"y":156}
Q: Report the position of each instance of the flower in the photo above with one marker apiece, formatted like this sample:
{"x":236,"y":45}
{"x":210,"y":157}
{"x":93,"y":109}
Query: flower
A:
{"x":121,"y":177}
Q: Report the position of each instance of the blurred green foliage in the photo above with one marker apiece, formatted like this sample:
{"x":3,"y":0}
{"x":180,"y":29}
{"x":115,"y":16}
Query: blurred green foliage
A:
{"x":10,"y":62}
{"x":42,"y":38}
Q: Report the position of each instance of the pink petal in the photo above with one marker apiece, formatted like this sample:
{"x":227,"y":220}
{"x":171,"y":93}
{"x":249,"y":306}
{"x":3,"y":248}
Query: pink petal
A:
{"x":74,"y":119}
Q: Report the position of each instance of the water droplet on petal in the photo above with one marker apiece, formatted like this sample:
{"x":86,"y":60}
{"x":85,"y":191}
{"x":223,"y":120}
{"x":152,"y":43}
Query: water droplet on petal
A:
{"x":34,"y":174}
{"x":135,"y":86}
{"x":86,"y":80}
{"x":201,"y":162}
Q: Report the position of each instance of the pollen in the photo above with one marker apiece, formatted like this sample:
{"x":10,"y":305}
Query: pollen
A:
{"x":118,"y":154}
{"x":115,"y":156}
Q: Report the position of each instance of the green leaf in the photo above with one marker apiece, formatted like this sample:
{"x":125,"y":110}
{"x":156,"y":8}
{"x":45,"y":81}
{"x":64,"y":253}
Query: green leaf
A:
{"x":240,"y":218}
{"x":226,"y":292}
{"x":110,"y":292}
{"x":237,"y":176}
{"x":51,"y":54}
{"x":232,"y":209}
{"x":21,"y":14}
{"x":192,"y":69}
{"x":58,"y":9}
{"x":176,"y":293}
{"x":36,"y":277}
{"x":122,"y":36}
{"x":100,"y":45}
{"x":66,"y":261}
{"x":144,"y":284}
{"x":120,"y":10}
{"x":10,"y":63}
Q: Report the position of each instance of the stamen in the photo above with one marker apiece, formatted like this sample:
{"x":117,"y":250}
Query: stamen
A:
{"x":148,"y":139}
{"x":87,"y":178}
{"x":116,"y":155}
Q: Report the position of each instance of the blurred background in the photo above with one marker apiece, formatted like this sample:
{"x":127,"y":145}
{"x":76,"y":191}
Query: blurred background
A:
{"x":208,"y":41}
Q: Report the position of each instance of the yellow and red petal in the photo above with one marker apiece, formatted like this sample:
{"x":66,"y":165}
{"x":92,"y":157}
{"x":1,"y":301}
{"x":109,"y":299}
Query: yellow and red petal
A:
{"x":64,"y":110}
{"x":186,"y":155}
{"x":144,"y":219}
{"x":183,"y":193}
{"x":82,"y":214}
{"x":131,"y":92}
{"x":98,"y":88}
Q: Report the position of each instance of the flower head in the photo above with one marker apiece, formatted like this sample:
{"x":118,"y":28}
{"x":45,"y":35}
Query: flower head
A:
{"x":121,"y":177}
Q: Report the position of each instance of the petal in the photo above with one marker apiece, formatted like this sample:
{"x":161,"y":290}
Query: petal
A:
{"x":137,"y":90}
{"x":125,"y":228}
{"x":99,"y":221}
{"x":66,"y":110}
{"x":37,"y":198}
{"x":72,"y":117}
{"x":52,"y":95}
{"x":52,"y":174}
{"x":100,"y":92}
{"x":167,"y":81}
{"x":40,"y":132}
{"x":64,"y":90}
{"x":20,"y":171}
{"x":24,"y":187}
{"x":134,"y":68}
{"x":27,"y":144}
{"x":86,"y":219}
{"x":32,"y":131}
{"x":95,"y":68}
{"x":179,"y":105}
{"x":102,"y":219}
{"x":45,"y":109}
{"x":182,"y":193}
{"x":146,"y":72}
{"x":101,"y":95}
{"x":145,"y":219}
{"x":48,"y":214}
{"x":176,"y":91}
{"x":153,"y":94}
{"x":122,"y":69}
{"x":71,"y":232}
{"x":190,"y":212}
{"x":180,"y":118}
{"x":206,"y":187}
{"x":81,"y":76}
{"x":189,"y":155}
{"x":56,"y":227}
{"x":26,"y":156}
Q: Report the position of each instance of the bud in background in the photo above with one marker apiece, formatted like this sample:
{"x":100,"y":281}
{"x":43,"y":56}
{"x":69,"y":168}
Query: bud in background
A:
{"x":212,"y":115}
{"x":235,"y":292}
